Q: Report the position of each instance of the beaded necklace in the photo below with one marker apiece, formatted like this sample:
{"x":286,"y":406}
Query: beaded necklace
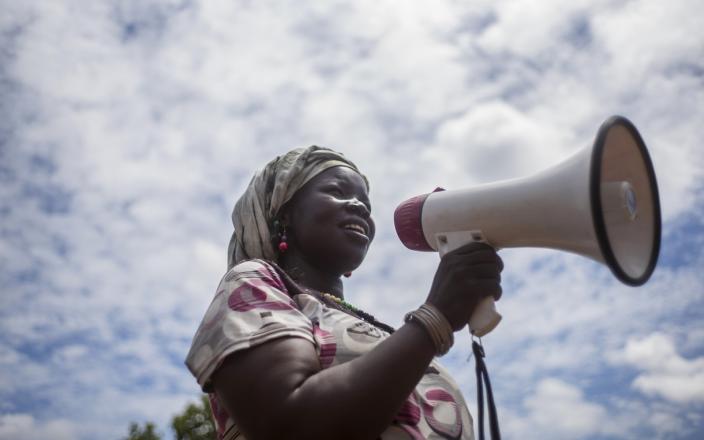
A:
{"x":344,"y":306}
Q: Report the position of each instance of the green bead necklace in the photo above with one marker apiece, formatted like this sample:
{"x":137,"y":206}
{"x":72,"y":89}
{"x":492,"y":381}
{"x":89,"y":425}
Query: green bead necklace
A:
{"x":343,"y":305}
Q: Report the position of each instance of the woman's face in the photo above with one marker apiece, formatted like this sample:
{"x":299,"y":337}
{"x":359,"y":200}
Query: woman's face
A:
{"x":329,"y":220}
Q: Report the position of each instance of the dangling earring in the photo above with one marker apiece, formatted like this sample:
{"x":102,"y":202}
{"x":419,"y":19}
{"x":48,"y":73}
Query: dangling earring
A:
{"x":283,"y":244}
{"x":347,"y":274}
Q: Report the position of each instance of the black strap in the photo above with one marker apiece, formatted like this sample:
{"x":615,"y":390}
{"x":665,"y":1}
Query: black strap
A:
{"x":483,"y":380}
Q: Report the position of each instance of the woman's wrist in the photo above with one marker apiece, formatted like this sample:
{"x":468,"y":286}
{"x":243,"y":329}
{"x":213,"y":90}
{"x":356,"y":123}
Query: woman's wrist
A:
{"x":435,"y":324}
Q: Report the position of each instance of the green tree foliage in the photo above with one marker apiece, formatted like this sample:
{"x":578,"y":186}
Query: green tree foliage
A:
{"x":195,"y":423}
{"x":148,"y":432}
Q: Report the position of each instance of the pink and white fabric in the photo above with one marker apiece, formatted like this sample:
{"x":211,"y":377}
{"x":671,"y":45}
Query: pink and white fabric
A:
{"x":252,"y":306}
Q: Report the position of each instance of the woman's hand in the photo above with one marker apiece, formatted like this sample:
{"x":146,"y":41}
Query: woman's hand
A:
{"x":464,"y":277}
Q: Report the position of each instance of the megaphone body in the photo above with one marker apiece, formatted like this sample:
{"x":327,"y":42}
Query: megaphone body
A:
{"x":601,"y":203}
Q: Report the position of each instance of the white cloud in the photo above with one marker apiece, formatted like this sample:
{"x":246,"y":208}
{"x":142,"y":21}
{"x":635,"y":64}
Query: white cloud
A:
{"x":25,"y":427}
{"x":535,"y":29}
{"x":560,"y":409}
{"x":497,"y":134}
{"x":617,"y":26}
{"x":664,"y":372}
{"x":557,"y":409}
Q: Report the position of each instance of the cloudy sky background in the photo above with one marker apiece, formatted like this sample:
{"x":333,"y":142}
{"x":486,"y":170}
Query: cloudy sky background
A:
{"x":128,"y":129}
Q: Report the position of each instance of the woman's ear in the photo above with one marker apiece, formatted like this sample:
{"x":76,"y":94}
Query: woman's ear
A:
{"x":284,"y":214}
{"x":284,"y":217}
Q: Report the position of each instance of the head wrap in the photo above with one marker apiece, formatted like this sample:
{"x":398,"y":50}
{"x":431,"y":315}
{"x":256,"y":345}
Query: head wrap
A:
{"x":269,"y":190}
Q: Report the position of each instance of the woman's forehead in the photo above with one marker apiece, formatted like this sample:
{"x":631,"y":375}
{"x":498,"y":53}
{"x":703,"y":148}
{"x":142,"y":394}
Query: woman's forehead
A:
{"x":343,"y":174}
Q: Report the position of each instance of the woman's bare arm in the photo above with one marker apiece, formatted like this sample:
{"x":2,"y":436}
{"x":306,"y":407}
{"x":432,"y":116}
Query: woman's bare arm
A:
{"x":277,"y":390}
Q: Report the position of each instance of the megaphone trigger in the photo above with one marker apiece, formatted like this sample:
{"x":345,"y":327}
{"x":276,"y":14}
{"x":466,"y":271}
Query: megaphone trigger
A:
{"x":449,"y":241}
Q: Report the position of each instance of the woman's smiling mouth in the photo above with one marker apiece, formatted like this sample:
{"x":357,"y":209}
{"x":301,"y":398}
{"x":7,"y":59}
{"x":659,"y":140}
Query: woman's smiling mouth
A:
{"x":355,"y":227}
{"x":356,"y":230}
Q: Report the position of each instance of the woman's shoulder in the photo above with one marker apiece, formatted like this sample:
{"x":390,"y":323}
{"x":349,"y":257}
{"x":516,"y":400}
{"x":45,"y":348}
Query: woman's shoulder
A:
{"x":253,"y":265}
{"x":255,"y":268}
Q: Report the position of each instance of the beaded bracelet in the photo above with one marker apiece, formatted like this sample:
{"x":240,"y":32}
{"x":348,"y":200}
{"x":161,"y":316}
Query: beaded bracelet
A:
{"x":437,"y":326}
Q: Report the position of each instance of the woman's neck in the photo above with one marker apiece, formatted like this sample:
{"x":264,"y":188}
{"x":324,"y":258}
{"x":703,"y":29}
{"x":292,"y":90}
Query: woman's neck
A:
{"x":311,"y":276}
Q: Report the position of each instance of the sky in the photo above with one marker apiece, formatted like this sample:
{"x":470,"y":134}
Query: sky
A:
{"x":128,"y":129}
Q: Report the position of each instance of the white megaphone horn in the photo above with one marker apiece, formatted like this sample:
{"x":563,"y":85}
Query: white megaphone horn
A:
{"x":601,"y":203}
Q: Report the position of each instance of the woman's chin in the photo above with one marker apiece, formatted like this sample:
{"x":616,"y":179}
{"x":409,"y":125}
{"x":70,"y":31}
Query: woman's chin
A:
{"x":349,"y":263}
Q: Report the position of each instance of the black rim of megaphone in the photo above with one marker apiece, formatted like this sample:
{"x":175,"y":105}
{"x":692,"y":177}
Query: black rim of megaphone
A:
{"x":595,"y":195}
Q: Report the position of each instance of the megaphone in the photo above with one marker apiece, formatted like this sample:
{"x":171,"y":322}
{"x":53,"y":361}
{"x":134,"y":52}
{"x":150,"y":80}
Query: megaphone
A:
{"x":602,"y":203}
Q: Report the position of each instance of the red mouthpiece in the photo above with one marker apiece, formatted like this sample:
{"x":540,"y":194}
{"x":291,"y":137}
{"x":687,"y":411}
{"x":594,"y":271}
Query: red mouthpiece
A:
{"x":408,"y":219}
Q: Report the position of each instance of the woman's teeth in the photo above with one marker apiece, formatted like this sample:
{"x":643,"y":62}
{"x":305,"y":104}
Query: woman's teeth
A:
{"x":356,"y":228}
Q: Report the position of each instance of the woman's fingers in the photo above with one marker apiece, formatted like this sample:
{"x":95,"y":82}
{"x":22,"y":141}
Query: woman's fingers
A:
{"x":475,"y":253}
{"x":484,"y":270}
{"x":488,"y":287}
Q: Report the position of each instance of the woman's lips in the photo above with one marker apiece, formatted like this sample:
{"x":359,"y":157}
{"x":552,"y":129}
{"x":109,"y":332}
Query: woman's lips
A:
{"x":356,"y":231}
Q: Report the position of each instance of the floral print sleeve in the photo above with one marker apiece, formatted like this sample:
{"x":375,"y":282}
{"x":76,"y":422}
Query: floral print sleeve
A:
{"x":251,"y":307}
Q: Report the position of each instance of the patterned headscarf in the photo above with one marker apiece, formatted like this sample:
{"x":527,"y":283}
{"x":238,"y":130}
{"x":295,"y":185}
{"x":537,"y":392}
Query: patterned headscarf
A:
{"x":270,"y":188}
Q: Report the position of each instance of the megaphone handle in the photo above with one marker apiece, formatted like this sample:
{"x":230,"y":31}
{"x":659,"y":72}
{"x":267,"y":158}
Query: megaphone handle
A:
{"x":484,"y":318}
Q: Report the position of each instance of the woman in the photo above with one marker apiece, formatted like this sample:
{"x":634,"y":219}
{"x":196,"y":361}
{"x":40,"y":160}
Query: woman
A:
{"x":280,"y":352}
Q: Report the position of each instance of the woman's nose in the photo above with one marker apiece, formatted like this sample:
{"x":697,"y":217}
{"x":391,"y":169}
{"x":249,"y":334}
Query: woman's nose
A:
{"x":358,"y":207}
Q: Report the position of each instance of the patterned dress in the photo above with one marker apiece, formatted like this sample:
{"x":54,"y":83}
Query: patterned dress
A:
{"x":252,"y":306}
